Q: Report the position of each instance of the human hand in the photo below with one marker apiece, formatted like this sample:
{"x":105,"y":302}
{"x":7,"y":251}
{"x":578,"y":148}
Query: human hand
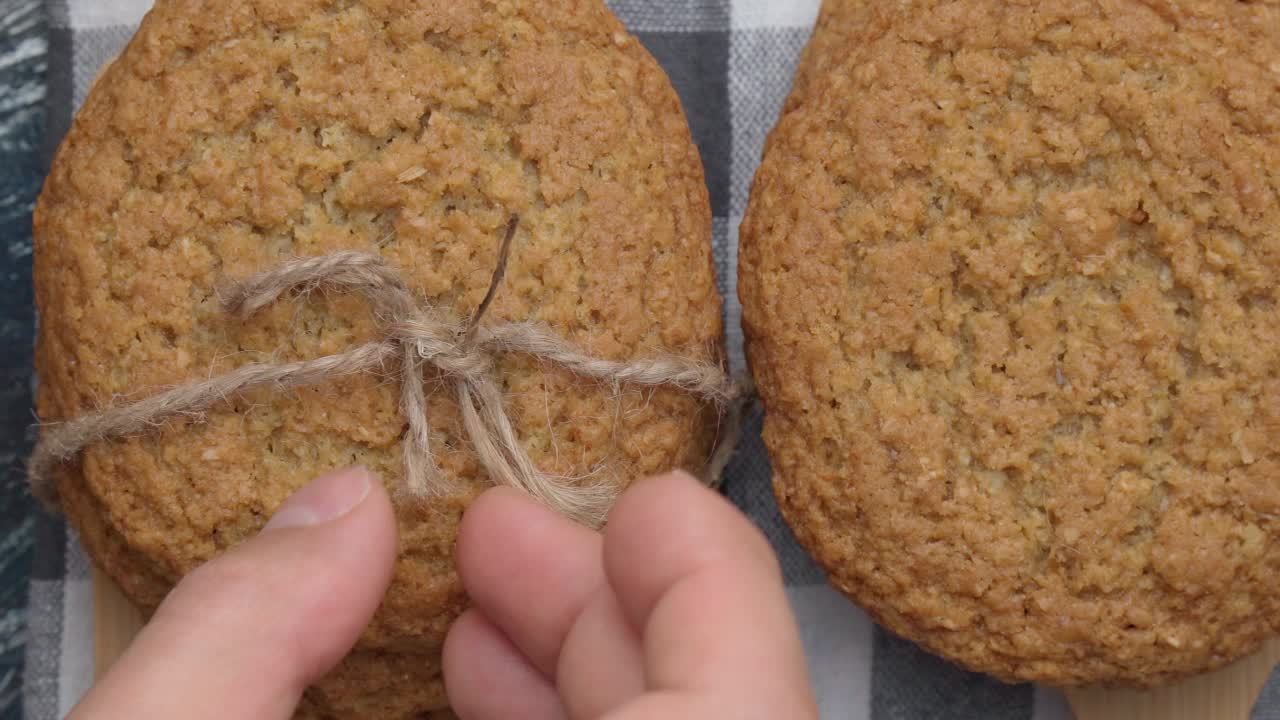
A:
{"x":676,"y":611}
{"x":244,"y":635}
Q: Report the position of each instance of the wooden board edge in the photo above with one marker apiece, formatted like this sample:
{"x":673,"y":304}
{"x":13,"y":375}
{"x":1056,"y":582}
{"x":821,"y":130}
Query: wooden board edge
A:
{"x":115,"y":622}
{"x":1226,"y":694}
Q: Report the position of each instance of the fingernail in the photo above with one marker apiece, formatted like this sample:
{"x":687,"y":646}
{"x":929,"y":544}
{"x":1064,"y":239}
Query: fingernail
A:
{"x":324,"y":499}
{"x":685,"y":475}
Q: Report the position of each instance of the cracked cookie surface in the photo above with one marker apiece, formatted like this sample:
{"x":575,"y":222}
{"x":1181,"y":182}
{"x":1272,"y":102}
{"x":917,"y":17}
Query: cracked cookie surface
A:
{"x":232,"y":135}
{"x":1008,"y":279}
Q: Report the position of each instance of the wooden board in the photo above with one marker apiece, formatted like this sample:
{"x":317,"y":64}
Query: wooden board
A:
{"x":1228,"y":694}
{"x":115,"y":622}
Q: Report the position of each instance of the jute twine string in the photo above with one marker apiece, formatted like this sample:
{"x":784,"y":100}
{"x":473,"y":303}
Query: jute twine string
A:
{"x":415,"y":337}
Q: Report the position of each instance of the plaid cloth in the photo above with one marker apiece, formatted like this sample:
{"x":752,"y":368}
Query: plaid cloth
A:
{"x":732,"y":62}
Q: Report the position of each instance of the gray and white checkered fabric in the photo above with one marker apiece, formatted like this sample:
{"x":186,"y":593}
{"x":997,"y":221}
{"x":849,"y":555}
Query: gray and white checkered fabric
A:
{"x":732,"y":62}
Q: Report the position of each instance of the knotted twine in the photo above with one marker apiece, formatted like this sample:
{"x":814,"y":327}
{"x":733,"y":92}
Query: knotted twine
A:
{"x":414,"y":337}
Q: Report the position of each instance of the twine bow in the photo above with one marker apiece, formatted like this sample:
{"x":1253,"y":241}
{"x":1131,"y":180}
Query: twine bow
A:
{"x":414,"y":338}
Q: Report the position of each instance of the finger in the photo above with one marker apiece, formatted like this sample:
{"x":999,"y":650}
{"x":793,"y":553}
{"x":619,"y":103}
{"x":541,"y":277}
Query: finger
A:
{"x":529,"y":570}
{"x":674,"y":704}
{"x":705,"y":589}
{"x":244,"y":635}
{"x":601,"y":665}
{"x":488,"y":679}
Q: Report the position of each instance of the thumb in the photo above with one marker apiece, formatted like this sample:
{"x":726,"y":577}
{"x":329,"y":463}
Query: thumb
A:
{"x":244,"y":635}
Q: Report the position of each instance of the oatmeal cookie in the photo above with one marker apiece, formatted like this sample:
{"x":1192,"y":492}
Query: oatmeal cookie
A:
{"x":233,"y":135}
{"x":1009,"y":282}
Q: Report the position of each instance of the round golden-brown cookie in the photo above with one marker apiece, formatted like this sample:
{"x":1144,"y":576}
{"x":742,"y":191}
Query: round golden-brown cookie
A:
{"x":1009,"y":282}
{"x":841,"y":29}
{"x":233,"y":135}
{"x":841,"y":26}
